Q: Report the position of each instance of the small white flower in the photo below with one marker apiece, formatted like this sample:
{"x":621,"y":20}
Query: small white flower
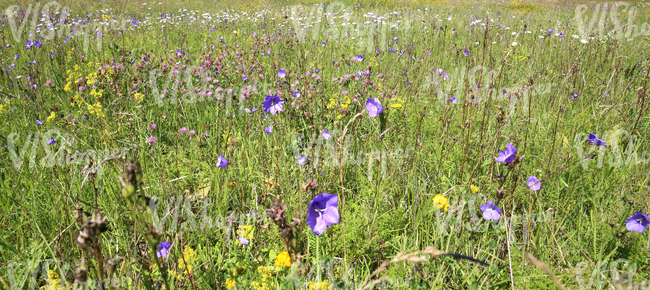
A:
{"x":514,"y":43}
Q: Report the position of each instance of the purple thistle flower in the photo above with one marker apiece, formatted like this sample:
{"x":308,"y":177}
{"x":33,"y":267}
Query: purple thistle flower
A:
{"x":534,"y":183}
{"x":268,"y":130}
{"x":466,"y":53}
{"x":223,"y":162}
{"x":323,"y":212}
{"x":302,"y":159}
{"x":374,"y":107}
{"x":326,"y":134}
{"x":38,"y":123}
{"x":163,"y":248}
{"x":51,"y":141}
{"x":593,"y":140}
{"x":272,"y":104}
{"x":244,"y":241}
{"x":638,"y":222}
{"x":282,"y":73}
{"x":491,"y":211}
{"x":507,"y":155}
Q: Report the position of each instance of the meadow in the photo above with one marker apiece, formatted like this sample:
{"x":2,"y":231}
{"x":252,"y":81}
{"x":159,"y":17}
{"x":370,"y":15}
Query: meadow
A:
{"x":324,"y":145}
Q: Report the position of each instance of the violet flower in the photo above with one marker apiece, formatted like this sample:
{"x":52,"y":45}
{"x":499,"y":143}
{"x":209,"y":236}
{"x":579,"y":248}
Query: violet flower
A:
{"x":323,"y":212}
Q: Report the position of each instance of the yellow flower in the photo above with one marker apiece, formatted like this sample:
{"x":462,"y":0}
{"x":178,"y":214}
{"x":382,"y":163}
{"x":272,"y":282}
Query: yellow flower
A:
{"x":138,"y":97}
{"x":474,"y":188}
{"x":245,"y":232}
{"x":283,"y":260}
{"x":238,"y":271}
{"x":325,"y":285}
{"x":51,"y":117}
{"x":53,"y":281}
{"x":2,"y":109}
{"x":230,"y":282}
{"x":190,"y":255}
{"x":440,"y":201}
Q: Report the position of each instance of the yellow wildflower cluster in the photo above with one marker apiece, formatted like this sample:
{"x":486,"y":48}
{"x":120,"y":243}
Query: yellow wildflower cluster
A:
{"x":138,"y":97}
{"x":51,"y":117}
{"x":474,"y":188}
{"x":245,"y":232}
{"x":396,"y":102}
{"x":190,"y":256}
{"x":238,"y":271}
{"x":73,"y":75}
{"x":344,"y":101}
{"x":96,"y":109}
{"x":53,"y":281}
{"x":440,"y":201}
{"x":266,"y":276}
{"x":3,"y":107}
{"x":325,"y":285}
{"x":283,"y":260}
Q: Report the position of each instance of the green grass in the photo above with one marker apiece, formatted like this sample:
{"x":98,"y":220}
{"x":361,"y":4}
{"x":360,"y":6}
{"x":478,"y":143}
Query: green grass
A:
{"x":421,"y":145}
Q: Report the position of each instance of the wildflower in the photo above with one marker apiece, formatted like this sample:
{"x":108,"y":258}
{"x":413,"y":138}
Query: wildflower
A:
{"x":192,"y":132}
{"x":183,"y":130}
{"x":152,"y":126}
{"x":324,"y":285}
{"x":466,"y":53}
{"x":283,"y":260}
{"x":440,"y":202}
{"x":491,"y":211}
{"x":638,"y":222}
{"x":268,"y":130}
{"x":152,"y":140}
{"x":296,"y":94}
{"x":244,"y":77}
{"x":326,"y":134}
{"x":138,"y":97}
{"x":473,"y":188}
{"x":163,"y":248}
{"x":38,"y":123}
{"x":53,"y":281}
{"x":272,"y":104}
{"x":452,"y":100}
{"x":230,"y":283}
{"x":534,"y":183}
{"x":507,"y":155}
{"x":74,"y":121}
{"x":302,"y":159}
{"x":593,"y":140}
{"x":48,"y":83}
{"x":51,"y":141}
{"x":574,"y":95}
{"x":244,"y":241}
{"x":282,"y":73}
{"x":323,"y":212}
{"x":185,"y":262}
{"x":359,"y":58}
{"x":51,"y":117}
{"x":374,"y":107}
{"x":223,"y":162}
